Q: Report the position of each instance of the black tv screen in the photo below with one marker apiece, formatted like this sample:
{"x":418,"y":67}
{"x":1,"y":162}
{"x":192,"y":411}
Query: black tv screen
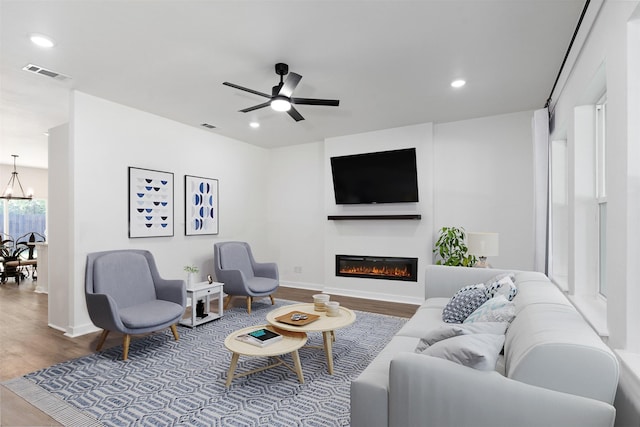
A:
{"x":381,"y":177}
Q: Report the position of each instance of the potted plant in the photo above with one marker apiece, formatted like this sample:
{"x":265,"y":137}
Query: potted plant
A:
{"x":451,"y":248}
{"x":191,"y":270}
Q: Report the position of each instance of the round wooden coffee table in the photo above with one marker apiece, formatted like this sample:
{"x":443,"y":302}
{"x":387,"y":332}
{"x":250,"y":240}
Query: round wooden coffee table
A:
{"x":290,"y":343}
{"x":325,"y":324}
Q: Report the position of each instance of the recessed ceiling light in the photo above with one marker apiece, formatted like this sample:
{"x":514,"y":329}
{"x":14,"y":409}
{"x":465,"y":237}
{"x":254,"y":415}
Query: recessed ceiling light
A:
{"x":254,"y":125}
{"x":458,"y":83}
{"x":41,"y":40}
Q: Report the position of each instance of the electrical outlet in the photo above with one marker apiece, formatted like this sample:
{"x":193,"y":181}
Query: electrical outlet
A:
{"x":297,"y":269}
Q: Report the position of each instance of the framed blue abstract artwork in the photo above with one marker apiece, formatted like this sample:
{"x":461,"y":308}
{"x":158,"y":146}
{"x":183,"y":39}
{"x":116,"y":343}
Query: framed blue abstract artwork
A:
{"x":200,"y":205}
{"x":150,"y":203}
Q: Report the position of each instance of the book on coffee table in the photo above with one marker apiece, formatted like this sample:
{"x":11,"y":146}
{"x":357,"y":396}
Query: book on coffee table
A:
{"x":260,"y":337}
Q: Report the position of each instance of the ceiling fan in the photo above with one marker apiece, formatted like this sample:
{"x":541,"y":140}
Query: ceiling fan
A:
{"x":281,"y":99}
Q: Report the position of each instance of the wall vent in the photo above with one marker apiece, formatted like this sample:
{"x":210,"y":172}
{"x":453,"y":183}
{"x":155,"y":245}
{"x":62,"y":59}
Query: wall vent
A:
{"x":44,"y":72}
{"x":208,"y":126}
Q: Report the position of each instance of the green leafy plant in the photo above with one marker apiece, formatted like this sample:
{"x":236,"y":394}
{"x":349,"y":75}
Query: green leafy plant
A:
{"x":451,"y":248}
{"x":191,"y":269}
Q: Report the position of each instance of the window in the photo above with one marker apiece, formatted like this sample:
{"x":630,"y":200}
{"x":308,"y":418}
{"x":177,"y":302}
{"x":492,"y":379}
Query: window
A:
{"x":20,"y":217}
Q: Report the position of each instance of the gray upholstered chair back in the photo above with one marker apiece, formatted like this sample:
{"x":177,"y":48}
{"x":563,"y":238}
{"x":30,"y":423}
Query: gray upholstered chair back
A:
{"x":124,"y":276}
{"x":236,"y":256}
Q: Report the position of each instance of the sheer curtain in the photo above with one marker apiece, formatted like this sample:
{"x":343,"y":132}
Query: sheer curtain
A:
{"x":540,"y":129}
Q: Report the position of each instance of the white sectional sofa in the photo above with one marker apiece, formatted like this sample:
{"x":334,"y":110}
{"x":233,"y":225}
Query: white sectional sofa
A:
{"x":555,"y":370}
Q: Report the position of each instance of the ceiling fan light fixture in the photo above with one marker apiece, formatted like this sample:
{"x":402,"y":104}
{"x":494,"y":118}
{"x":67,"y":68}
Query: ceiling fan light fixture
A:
{"x":280,"y":104}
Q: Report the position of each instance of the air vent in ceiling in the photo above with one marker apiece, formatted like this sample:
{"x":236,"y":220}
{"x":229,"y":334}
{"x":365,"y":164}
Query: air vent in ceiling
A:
{"x":43,"y":71}
{"x":208,"y":126}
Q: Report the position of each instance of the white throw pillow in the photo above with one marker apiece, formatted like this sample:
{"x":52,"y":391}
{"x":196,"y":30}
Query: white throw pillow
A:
{"x":478,"y":351}
{"x":454,"y":330}
{"x":503,"y":286}
{"x":498,"y":309}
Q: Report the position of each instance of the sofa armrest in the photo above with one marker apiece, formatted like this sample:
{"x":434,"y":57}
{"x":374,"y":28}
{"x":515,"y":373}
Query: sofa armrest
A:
{"x":103,"y":312}
{"x":429,"y":391}
{"x":266,"y":269}
{"x":172,"y":290}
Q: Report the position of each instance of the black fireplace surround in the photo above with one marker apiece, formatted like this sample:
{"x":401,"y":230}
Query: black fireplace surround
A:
{"x":377,"y":267}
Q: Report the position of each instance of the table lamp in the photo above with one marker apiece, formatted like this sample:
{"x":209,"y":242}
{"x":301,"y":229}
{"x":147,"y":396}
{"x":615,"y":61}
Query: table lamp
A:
{"x":482,"y":245}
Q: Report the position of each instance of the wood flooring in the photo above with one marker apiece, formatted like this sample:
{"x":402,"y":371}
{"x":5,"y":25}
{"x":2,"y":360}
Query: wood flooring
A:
{"x":27,"y":343}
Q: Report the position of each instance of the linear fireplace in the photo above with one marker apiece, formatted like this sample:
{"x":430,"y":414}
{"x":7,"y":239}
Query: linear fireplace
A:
{"x":377,"y":267}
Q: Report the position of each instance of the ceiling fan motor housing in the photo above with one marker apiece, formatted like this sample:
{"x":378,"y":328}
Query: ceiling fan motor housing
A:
{"x":282,"y":69}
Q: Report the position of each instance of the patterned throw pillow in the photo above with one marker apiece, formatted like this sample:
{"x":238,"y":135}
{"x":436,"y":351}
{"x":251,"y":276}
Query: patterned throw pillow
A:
{"x":462,"y":304}
{"x":498,"y":309}
{"x":503,"y":286}
{"x":470,"y":287}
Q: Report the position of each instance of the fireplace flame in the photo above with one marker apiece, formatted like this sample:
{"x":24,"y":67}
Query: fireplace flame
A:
{"x":377,"y":271}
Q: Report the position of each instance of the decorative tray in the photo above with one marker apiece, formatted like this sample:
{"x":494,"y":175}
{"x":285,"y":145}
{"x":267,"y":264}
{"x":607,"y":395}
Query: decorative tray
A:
{"x":288,"y":318}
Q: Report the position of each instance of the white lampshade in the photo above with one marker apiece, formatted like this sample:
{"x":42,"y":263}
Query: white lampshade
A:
{"x":482,"y":244}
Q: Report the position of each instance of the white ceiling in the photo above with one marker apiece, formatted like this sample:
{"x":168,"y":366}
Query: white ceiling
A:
{"x":389,"y":62}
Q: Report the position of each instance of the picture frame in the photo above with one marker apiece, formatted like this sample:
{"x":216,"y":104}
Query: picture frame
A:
{"x":201,"y":209}
{"x":151,"y":208}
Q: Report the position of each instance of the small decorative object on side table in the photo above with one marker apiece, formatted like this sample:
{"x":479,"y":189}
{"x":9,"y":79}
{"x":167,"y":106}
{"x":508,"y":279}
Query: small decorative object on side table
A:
{"x":203,"y":291}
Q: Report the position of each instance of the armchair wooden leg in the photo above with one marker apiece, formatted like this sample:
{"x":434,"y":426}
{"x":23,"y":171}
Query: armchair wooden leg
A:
{"x":102,"y":339}
{"x":125,"y":346}
{"x":249,"y":299}
{"x":175,"y":332}
{"x":273,"y":302}
{"x":227,"y":302}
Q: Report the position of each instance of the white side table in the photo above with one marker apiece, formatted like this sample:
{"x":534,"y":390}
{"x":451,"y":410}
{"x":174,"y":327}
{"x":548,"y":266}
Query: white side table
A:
{"x":203,"y":290}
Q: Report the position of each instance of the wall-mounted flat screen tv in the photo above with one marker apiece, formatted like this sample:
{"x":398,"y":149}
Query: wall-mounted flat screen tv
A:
{"x":380,"y":177}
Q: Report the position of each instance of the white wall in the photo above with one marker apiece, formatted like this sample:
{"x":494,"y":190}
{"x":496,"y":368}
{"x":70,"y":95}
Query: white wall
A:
{"x":483,"y":180}
{"x":393,"y":238}
{"x":487,"y":188}
{"x":297,"y":215}
{"x":107,"y":138}
{"x":60,"y":232}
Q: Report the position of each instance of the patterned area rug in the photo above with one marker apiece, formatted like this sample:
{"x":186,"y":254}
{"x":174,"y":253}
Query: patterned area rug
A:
{"x":172,"y":383}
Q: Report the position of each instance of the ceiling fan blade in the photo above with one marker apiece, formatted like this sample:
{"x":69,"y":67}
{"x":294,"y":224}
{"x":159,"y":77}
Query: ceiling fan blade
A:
{"x":312,"y":101}
{"x":255,"y":107}
{"x":255,"y":92}
{"x":295,"y":114}
{"x":290,"y":84}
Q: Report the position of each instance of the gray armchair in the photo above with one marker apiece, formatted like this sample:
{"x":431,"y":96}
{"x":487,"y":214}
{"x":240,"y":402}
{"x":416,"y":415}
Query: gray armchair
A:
{"x":242,"y":276}
{"x":125,"y":293}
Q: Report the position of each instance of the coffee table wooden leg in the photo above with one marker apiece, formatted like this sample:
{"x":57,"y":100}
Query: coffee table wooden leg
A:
{"x":232,"y":368}
{"x":296,"y":363}
{"x":328,"y":350}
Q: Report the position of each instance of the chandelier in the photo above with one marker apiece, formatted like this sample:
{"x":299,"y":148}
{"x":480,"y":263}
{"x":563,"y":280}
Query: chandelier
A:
{"x":10,"y":190}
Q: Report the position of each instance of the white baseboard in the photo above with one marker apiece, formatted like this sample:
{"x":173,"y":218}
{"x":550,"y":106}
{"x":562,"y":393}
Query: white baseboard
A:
{"x":377,"y":296}
{"x":81,"y":330}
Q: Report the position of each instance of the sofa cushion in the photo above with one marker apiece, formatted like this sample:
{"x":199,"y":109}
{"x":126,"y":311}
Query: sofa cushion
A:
{"x":425,"y":320}
{"x":463,"y":303}
{"x":150,"y":314}
{"x":454,"y":330}
{"x":478,"y":351}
